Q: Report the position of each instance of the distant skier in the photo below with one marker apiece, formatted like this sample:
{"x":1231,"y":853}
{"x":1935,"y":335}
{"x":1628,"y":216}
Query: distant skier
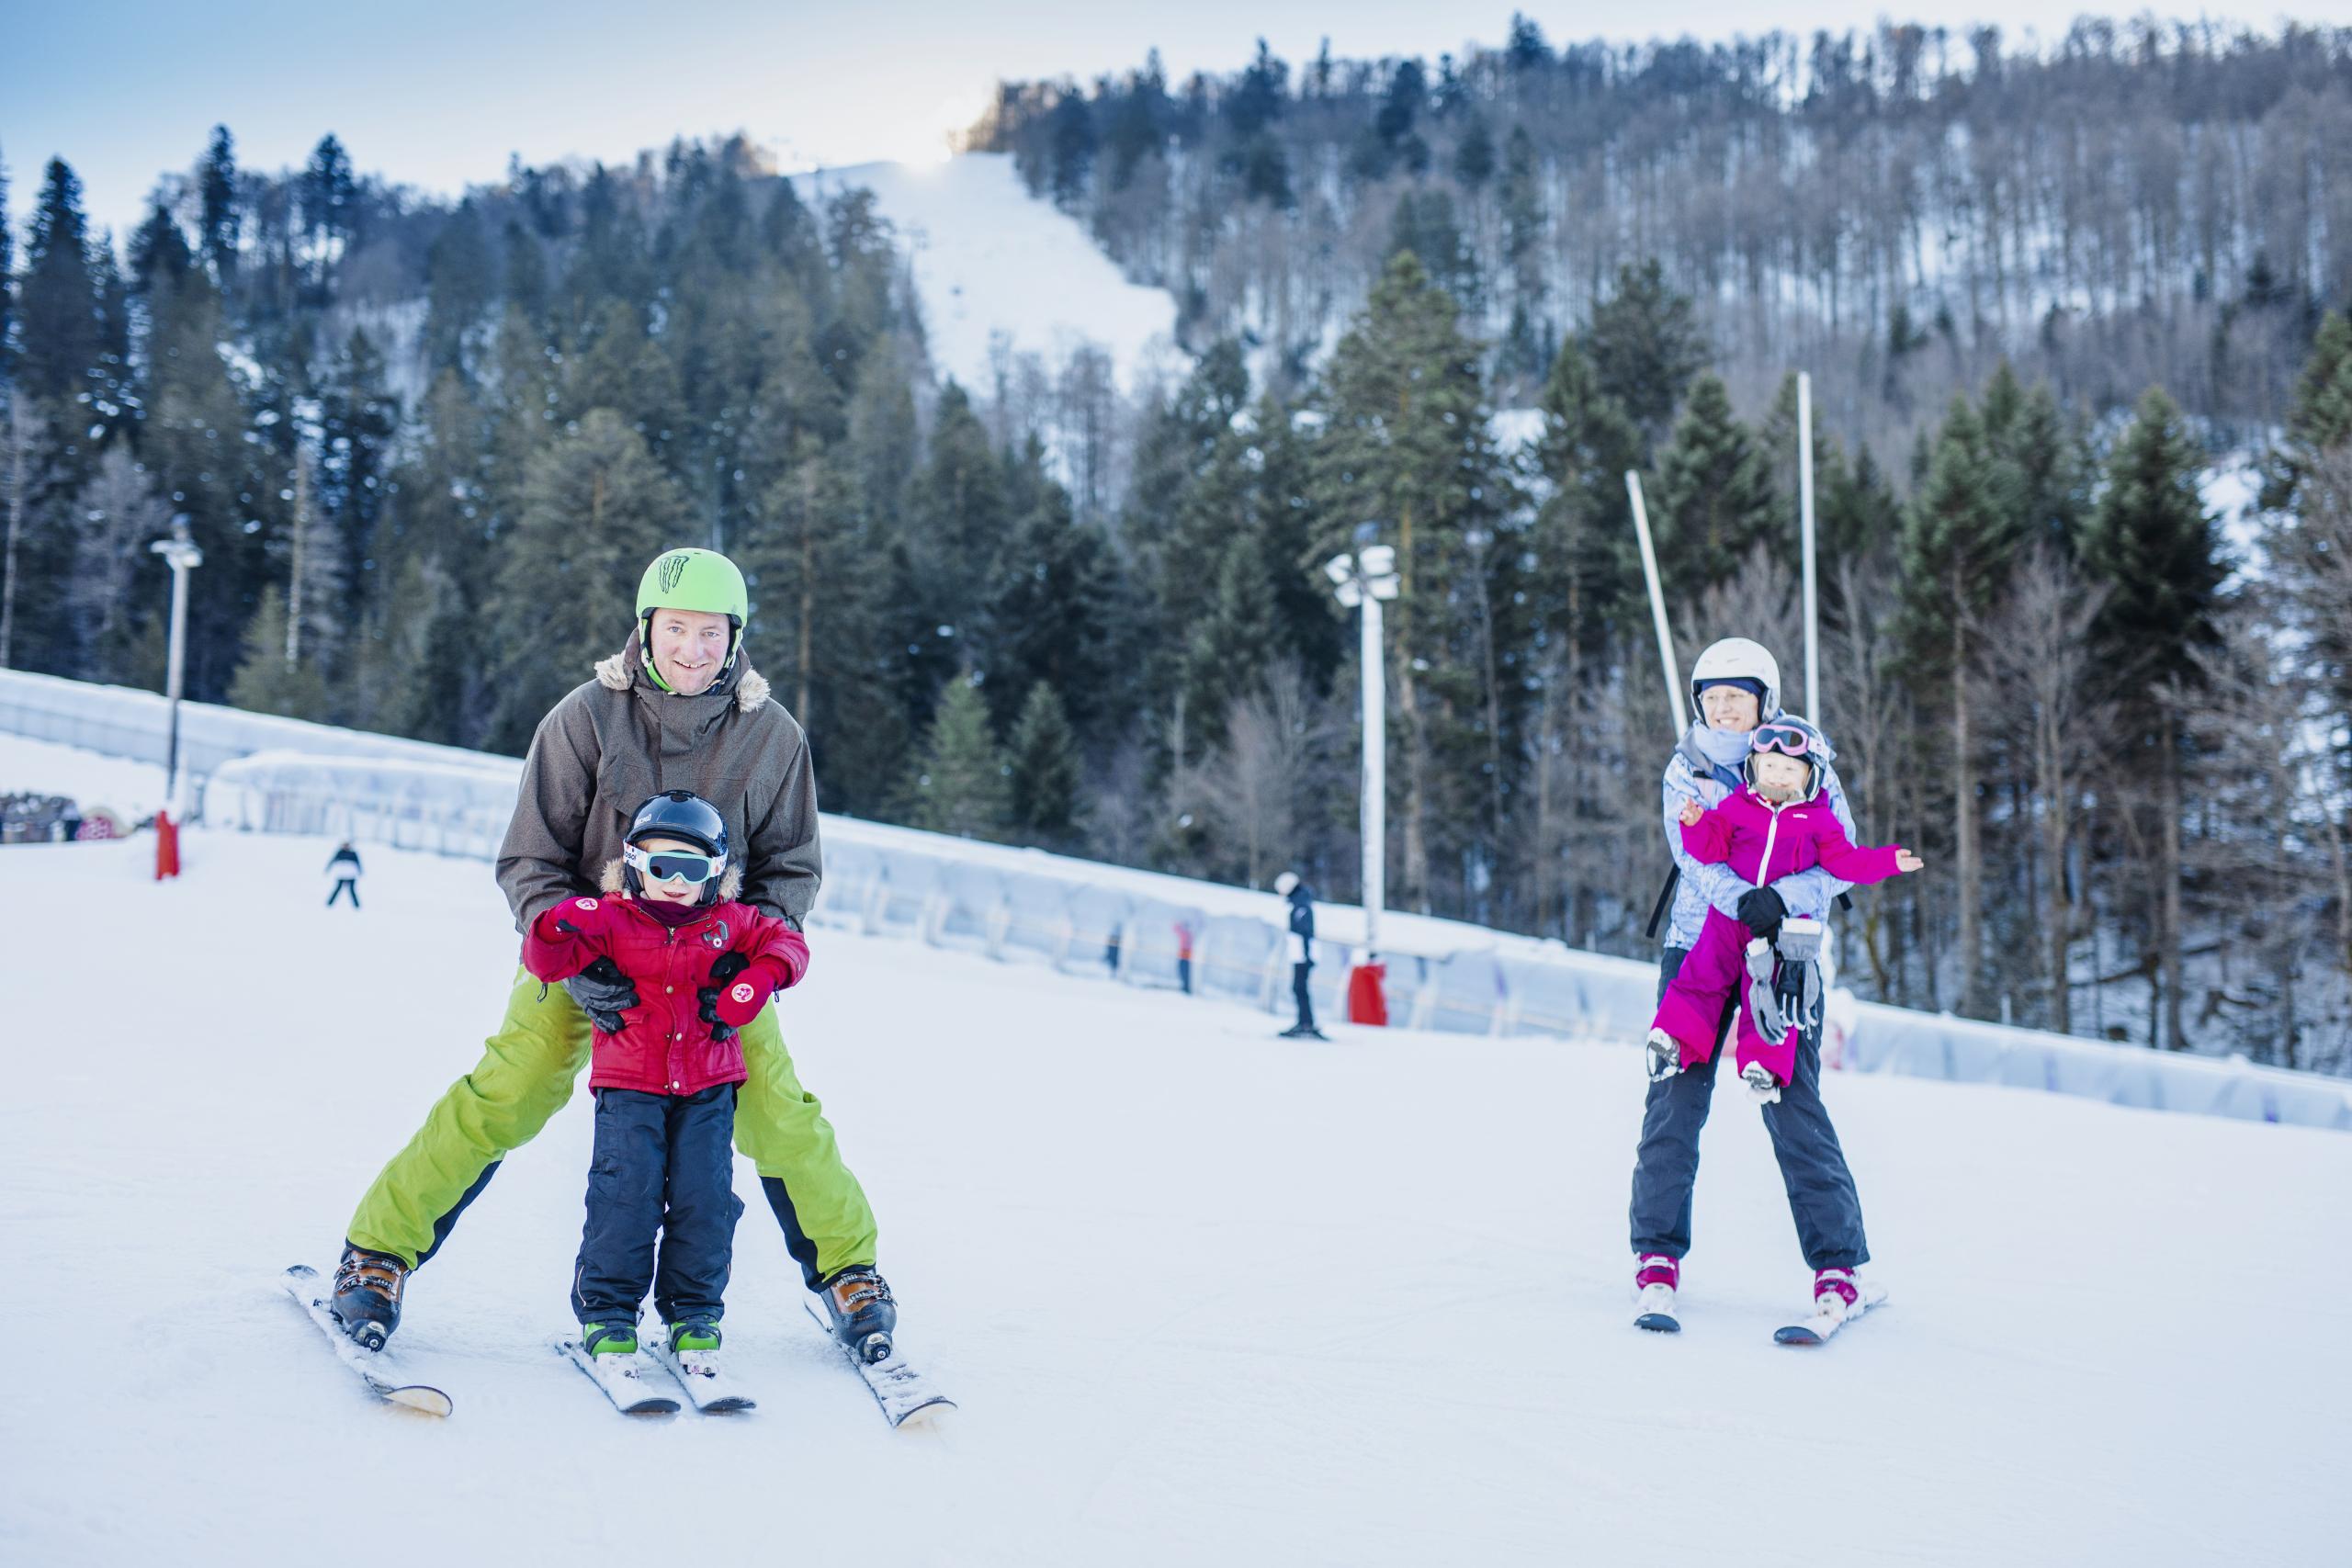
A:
{"x":1302,"y":953}
{"x":343,"y":867}
{"x":664,"y":1083}
{"x":679,"y":706}
{"x":1776,"y":821}
{"x":1737,"y":685}
{"x":1184,"y":956}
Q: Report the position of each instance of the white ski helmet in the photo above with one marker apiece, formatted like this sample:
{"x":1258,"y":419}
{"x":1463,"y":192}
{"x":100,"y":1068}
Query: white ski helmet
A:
{"x":1286,"y":883}
{"x":1738,"y":658}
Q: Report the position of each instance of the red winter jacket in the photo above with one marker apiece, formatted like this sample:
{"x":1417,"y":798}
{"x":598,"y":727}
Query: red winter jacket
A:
{"x":665,"y":1047}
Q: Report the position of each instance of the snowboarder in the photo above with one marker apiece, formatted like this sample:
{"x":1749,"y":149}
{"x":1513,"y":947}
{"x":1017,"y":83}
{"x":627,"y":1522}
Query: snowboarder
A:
{"x":343,"y":867}
{"x":679,"y":706}
{"x":1775,"y":821}
{"x":1736,"y":686}
{"x":665,"y":1084}
{"x":1302,"y":953}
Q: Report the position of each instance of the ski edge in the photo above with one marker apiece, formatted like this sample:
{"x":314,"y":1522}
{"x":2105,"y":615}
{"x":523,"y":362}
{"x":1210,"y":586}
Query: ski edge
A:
{"x":1820,"y":1328}
{"x":906,"y":1398}
{"x":572,"y":1350}
{"x":300,"y":1282}
{"x":657,"y":1345}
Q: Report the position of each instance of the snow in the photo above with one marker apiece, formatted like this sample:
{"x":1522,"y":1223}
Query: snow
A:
{"x":1202,"y":1295}
{"x":131,"y":790}
{"x":998,"y":270}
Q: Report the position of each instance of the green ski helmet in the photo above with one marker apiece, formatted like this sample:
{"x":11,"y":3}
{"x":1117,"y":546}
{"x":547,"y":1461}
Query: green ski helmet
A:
{"x":691,"y":579}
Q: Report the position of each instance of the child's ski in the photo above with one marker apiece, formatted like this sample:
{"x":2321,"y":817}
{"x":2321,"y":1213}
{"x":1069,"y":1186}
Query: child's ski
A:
{"x":713,"y":1391}
{"x":906,"y":1396}
{"x":621,"y":1378}
{"x":381,"y":1370}
{"x":1819,"y":1328}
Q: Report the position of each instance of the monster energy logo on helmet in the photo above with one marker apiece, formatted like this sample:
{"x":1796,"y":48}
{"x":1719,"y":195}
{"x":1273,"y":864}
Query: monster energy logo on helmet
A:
{"x":691,"y":579}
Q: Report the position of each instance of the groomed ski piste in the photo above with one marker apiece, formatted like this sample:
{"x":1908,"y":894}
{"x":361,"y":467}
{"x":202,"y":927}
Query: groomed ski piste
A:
{"x":1202,"y":1295}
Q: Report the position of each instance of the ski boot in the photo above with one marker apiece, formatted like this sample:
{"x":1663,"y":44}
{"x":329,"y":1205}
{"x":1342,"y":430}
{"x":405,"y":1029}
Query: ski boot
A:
{"x":1762,"y":1087}
{"x":1665,"y":1055}
{"x":695,"y":1345}
{"x":600,"y":1340}
{"x":1834,"y":1291}
{"x":1656,"y":1277}
{"x":860,"y":1308}
{"x":368,"y":1295}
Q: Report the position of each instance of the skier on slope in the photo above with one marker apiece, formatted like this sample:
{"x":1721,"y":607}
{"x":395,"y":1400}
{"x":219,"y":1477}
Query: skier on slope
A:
{"x":1737,"y":685}
{"x":343,"y":867}
{"x":665,"y":1084}
{"x":1776,"y":821}
{"x":679,"y":706}
{"x":1301,"y":900}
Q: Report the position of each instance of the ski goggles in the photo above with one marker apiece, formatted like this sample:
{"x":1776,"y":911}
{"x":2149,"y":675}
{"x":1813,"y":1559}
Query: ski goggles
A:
{"x":1785,"y":738}
{"x":673,"y":865}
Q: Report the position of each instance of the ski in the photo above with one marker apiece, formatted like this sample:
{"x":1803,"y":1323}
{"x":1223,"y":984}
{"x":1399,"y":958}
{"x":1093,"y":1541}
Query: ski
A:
{"x":907,"y":1398}
{"x":620,"y":1378}
{"x":1821,"y":1326}
{"x":713,"y":1393}
{"x":1659,"y":1322}
{"x":1653,"y":1309}
{"x":381,"y":1370}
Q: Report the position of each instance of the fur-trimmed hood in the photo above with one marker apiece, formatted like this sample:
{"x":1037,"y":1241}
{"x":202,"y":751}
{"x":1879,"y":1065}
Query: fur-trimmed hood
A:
{"x":619,"y":672}
{"x":730,"y":881}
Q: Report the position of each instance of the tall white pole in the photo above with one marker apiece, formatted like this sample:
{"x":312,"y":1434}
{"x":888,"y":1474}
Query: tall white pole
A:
{"x":179,"y":564}
{"x":1376,"y":778}
{"x":1804,"y":513}
{"x":1657,"y":604}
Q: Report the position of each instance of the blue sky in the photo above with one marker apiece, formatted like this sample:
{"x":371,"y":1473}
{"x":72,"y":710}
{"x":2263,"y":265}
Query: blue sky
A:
{"x":436,"y":94}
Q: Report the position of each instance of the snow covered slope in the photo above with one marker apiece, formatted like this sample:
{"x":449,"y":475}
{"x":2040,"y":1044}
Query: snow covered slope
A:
{"x":991,"y":260}
{"x":1206,"y":1295}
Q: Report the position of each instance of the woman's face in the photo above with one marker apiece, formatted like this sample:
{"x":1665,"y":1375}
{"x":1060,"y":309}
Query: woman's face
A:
{"x":1730,"y":708}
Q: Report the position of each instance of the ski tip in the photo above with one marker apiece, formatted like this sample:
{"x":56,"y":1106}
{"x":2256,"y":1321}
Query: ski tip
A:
{"x":301,"y":1271}
{"x":1658,"y":1322}
{"x":427,"y":1400}
{"x":1796,"y":1333}
{"x":925,"y":1419}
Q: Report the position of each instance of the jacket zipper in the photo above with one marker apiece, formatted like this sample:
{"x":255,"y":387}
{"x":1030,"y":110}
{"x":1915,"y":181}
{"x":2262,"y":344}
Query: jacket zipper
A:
{"x":1771,"y":831}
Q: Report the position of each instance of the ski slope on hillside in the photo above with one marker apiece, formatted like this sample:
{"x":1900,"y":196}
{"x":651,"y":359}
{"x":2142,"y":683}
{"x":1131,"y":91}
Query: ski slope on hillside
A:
{"x":1204,"y":1296}
{"x":991,"y":261}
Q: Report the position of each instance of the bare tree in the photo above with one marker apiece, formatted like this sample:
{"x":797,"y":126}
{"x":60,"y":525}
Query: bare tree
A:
{"x":116,"y":515}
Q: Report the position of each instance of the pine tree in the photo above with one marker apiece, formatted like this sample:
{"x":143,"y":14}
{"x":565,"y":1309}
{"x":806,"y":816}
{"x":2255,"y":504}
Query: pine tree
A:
{"x":1715,"y":502}
{"x":595,"y":508}
{"x":960,"y":784}
{"x":62,"y":336}
{"x":1048,"y":599}
{"x":1647,"y":345}
{"x":267,"y":682}
{"x":220,"y":224}
{"x":1587,"y":570}
{"x":2320,"y":421}
{"x":1044,"y":773}
{"x":960,"y":523}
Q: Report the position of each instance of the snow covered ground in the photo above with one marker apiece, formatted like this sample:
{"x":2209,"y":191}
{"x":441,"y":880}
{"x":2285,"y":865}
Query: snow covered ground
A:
{"x":131,"y":790}
{"x":1204,"y":1296}
{"x":991,"y":261}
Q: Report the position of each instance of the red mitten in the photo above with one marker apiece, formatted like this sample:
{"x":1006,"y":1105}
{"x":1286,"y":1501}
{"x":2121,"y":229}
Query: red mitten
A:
{"x":572,"y":918}
{"x":741,"y":1000}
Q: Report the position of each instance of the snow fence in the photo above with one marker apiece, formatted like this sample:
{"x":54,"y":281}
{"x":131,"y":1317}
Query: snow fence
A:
{"x":266,"y":774}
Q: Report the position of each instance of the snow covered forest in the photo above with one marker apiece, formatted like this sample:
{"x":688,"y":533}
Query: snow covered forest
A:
{"x":427,"y":446}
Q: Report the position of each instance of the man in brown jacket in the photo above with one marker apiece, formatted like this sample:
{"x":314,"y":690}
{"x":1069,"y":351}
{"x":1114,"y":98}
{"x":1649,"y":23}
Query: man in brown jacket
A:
{"x":679,"y":707}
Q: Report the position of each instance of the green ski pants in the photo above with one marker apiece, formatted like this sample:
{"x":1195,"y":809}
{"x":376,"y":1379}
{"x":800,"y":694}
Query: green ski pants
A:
{"x":526,"y":1072}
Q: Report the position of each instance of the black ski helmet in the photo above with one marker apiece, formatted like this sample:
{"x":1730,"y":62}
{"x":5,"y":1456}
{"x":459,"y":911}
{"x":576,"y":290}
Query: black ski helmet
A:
{"x":677,"y":814}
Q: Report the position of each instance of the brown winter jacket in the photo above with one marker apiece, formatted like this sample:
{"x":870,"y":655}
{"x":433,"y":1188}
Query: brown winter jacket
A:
{"x":602,"y":750}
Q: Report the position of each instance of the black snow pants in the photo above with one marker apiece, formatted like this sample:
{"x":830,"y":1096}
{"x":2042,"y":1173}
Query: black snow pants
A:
{"x":342,"y":887}
{"x":663,"y":1164}
{"x":1822,"y":1199}
{"x":1298,"y":973}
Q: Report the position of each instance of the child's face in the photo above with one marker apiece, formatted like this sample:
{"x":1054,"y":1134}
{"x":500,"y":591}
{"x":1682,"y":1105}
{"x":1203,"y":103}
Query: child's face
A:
{"x":677,"y":890}
{"x":1780,"y":777}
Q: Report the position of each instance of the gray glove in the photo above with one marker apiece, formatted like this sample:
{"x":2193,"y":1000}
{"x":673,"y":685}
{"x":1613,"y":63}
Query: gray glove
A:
{"x":603,"y":993}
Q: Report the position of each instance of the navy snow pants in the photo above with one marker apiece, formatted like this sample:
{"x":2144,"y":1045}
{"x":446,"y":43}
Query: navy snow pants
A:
{"x":1822,"y":1199}
{"x":664,"y":1164}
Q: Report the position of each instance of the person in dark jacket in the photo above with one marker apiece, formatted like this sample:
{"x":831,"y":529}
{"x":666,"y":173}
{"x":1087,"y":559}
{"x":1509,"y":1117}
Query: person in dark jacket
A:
{"x":343,"y":867}
{"x":1302,"y":953}
{"x":664,"y":1081}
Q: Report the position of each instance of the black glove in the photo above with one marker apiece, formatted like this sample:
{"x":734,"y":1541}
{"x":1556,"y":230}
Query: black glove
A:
{"x":603,"y":993}
{"x":1761,"y":911}
{"x":729,"y":965}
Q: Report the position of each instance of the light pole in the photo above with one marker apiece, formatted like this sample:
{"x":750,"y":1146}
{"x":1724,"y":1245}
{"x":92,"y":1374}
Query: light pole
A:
{"x":1364,"y":580}
{"x":179,"y":553}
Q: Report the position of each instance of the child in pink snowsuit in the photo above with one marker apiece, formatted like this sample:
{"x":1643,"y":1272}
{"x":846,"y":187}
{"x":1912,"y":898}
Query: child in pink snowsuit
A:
{"x":1769,"y":828}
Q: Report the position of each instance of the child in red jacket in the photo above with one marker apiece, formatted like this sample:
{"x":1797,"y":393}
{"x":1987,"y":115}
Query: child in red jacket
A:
{"x":1773,"y":826}
{"x":664,"y":1079}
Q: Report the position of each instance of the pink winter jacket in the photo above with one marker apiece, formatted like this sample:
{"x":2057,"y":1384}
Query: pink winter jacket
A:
{"x":1764,"y":842}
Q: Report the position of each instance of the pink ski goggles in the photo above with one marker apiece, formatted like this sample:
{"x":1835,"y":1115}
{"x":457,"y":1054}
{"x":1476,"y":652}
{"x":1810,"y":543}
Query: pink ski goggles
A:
{"x":1785,"y":738}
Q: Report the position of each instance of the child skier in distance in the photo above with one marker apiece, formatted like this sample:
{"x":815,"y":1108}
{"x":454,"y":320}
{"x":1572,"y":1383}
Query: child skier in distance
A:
{"x":1772,"y":827}
{"x":665,"y":1072}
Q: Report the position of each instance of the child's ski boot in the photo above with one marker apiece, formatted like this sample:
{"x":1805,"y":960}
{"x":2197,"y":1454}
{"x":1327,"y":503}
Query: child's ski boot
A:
{"x":1655,"y":1276}
{"x":368,"y":1295}
{"x":696,"y":1346}
{"x":861,"y":1310}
